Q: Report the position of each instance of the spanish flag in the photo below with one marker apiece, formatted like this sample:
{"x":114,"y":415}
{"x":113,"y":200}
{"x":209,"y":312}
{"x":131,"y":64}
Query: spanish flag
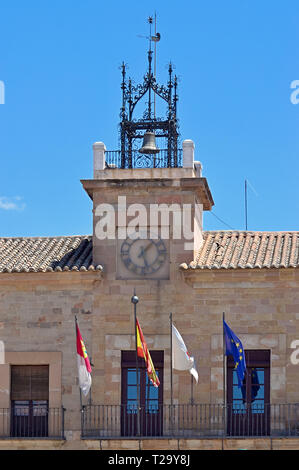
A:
{"x":142,"y":351}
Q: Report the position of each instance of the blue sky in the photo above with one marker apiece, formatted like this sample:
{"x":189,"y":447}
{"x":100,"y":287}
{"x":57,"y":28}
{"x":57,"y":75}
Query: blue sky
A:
{"x":59,"y":61}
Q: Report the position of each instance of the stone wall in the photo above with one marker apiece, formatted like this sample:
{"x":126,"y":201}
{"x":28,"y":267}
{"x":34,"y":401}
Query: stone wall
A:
{"x":153,"y":444}
{"x":37,"y":313}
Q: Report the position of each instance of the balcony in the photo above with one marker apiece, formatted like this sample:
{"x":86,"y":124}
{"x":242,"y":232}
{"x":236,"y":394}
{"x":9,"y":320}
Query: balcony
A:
{"x":24,"y":422}
{"x":115,"y":159}
{"x":195,"y":421}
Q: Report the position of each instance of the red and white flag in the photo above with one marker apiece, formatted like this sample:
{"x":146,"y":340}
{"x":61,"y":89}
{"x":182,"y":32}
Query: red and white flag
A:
{"x":181,"y":359}
{"x":84,"y":368}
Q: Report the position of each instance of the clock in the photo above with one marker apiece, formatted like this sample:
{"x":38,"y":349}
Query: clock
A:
{"x":143,"y":256}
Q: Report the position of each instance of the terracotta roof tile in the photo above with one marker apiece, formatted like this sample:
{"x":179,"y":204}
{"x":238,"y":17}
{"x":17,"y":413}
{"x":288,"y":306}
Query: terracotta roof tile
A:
{"x":46,"y":254}
{"x":238,"y":249}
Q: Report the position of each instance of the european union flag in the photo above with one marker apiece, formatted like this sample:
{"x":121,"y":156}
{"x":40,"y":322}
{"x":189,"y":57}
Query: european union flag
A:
{"x":234,"y":348}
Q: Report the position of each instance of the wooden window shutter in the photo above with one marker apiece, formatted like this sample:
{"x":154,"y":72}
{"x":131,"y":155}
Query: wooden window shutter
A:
{"x":30,"y":382}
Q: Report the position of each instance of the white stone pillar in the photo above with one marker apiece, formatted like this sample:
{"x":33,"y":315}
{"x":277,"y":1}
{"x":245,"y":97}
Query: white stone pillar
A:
{"x":98,"y":157}
{"x":198,"y":169}
{"x":188,"y":153}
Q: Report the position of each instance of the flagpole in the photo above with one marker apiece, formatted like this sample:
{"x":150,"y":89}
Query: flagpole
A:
{"x":134,"y":301}
{"x":76,"y":323}
{"x":90,"y":397}
{"x":224,"y":375}
{"x":171,"y":373}
{"x":224,"y":356}
{"x":171,"y":365}
{"x":192,"y":400}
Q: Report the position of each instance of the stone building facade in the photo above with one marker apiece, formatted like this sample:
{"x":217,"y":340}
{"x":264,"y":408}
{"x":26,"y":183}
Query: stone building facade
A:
{"x":45,"y":282}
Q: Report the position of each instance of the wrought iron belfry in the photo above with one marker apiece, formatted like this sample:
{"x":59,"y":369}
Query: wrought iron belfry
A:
{"x":132,"y":130}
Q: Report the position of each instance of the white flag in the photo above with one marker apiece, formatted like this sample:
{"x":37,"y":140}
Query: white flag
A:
{"x":181,"y":359}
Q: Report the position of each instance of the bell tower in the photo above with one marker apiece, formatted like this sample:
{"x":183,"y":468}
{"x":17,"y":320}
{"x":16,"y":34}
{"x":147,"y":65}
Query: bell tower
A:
{"x":149,"y":127}
{"x":148,"y":196}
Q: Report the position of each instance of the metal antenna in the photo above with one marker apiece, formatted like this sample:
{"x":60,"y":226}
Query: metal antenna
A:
{"x":150,"y":21}
{"x":246,"y":202}
{"x":155,"y":39}
{"x":246,"y":205}
{"x":155,"y":64}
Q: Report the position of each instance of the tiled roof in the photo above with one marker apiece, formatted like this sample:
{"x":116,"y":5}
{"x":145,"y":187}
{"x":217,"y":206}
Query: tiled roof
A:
{"x":46,"y":254}
{"x":220,"y":250}
{"x":234,"y":249}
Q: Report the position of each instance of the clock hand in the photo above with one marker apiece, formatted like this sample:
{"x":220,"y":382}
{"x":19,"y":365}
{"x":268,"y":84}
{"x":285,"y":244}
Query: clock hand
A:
{"x":148,"y":246}
{"x":145,"y":262}
{"x":143,"y":250}
{"x":141,"y":254}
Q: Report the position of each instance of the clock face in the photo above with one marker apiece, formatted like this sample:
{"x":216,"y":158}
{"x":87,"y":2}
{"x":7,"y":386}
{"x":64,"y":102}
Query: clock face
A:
{"x":143,"y":256}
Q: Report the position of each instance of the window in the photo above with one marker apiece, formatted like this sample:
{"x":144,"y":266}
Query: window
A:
{"x":248,"y":410}
{"x":29,"y":401}
{"x":148,"y":421}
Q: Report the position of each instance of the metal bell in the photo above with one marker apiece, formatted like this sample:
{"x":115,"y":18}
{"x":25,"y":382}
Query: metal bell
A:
{"x":149,"y":144}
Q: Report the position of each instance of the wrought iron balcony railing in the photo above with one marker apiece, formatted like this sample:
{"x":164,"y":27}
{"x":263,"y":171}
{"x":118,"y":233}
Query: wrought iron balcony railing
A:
{"x":22,"y":423}
{"x":159,"y":160}
{"x":190,"y":421}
